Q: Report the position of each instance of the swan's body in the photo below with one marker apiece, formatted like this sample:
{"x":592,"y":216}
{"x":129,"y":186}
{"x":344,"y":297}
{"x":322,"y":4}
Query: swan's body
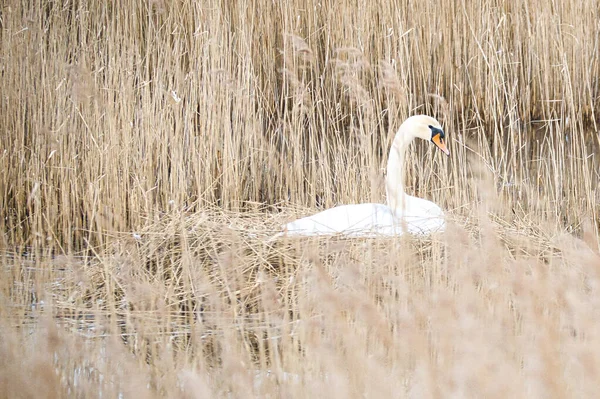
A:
{"x":403,"y":214}
{"x":421,"y":217}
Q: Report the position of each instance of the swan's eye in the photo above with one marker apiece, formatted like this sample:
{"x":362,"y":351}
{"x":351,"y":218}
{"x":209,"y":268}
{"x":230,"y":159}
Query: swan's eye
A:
{"x":436,"y":131}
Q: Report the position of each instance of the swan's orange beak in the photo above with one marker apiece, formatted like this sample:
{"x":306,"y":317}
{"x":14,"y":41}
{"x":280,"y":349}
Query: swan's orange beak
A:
{"x":439,"y":142}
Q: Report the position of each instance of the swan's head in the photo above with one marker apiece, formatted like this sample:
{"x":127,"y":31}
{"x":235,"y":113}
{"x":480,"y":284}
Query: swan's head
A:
{"x":427,"y":128}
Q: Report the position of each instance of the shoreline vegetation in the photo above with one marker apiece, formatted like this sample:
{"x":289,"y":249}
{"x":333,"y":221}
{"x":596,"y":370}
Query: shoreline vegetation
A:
{"x":149,"y":152}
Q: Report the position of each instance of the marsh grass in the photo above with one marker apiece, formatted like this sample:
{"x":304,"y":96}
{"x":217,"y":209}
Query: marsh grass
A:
{"x":151,"y":150}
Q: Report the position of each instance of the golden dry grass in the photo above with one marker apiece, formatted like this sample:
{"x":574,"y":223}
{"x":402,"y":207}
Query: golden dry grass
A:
{"x":150,"y":149}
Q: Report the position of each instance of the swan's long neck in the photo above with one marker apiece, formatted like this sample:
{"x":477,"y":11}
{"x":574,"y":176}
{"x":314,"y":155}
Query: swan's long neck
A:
{"x":395,"y":167}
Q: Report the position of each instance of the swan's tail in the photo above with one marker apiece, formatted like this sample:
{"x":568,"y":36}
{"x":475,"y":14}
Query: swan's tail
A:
{"x":275,"y":237}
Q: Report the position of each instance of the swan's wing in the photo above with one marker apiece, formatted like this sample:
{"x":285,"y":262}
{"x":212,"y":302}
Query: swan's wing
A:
{"x":423,"y":217}
{"x":420,"y":217}
{"x":352,"y":220}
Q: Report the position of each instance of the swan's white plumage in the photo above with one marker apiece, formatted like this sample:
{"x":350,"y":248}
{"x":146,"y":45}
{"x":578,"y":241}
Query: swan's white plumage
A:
{"x":363,"y":220}
{"x":403,"y":214}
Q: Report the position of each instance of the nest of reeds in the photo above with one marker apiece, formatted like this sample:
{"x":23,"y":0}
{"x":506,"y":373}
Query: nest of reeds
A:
{"x":204,"y":275}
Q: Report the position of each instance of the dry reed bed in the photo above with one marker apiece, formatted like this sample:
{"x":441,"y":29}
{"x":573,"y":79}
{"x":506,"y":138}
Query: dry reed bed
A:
{"x":205,"y":305}
{"x":165,"y":142}
{"x":112,"y":115}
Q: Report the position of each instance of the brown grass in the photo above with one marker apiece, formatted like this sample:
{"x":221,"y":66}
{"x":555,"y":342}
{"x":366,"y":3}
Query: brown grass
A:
{"x":150,"y":149}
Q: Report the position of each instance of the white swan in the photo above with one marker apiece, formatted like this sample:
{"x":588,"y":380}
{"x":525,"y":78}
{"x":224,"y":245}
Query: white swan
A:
{"x":404,"y":213}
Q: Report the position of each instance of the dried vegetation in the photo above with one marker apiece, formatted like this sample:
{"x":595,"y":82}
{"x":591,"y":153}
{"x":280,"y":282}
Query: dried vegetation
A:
{"x":150,"y":150}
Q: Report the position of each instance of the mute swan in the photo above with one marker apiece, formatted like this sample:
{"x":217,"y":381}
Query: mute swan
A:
{"x":404,"y":213}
